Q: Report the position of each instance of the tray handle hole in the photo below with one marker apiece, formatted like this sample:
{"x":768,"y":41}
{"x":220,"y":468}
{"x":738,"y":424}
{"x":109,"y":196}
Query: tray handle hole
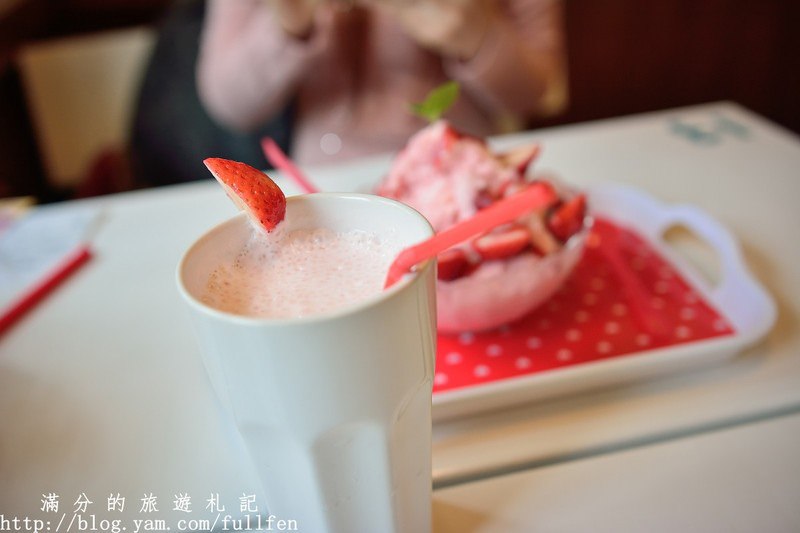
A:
{"x":695,"y":251}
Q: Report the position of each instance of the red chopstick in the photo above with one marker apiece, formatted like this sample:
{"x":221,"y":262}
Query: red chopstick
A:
{"x":44,"y":286}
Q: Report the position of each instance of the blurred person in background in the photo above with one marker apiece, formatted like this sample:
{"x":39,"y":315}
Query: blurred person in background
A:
{"x":333,"y":79}
{"x":171,"y":132}
{"x":351,"y":68}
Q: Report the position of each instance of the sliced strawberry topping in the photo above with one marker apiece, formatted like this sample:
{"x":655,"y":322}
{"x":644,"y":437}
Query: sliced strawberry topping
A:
{"x":448,"y":141}
{"x":511,"y":187}
{"x":449,"y":136}
{"x":567,"y":219}
{"x":542,"y":241}
{"x":484,"y":199}
{"x":452,"y":264}
{"x":520,"y":158}
{"x":251,"y":190}
{"x":502,"y":244}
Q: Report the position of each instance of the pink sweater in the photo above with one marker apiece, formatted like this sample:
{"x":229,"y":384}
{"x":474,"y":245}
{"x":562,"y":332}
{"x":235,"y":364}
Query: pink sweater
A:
{"x":355,"y":76}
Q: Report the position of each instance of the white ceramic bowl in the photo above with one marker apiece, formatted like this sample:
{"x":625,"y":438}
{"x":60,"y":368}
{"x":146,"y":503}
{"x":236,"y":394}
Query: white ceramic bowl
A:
{"x":500,"y":292}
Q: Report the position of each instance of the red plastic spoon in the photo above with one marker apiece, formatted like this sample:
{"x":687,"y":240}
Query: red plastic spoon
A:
{"x":535,"y":196}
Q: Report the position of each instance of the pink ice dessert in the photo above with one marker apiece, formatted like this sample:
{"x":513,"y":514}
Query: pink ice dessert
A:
{"x":500,"y":276}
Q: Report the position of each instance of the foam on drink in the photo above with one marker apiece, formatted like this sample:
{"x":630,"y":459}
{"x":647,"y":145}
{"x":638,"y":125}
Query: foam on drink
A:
{"x":292,"y":274}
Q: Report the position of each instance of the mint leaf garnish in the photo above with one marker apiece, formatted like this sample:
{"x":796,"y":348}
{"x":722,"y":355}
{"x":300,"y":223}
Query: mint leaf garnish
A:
{"x":437,"y":102}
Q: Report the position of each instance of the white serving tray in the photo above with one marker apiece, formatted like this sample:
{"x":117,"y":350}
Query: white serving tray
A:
{"x":738,"y":297}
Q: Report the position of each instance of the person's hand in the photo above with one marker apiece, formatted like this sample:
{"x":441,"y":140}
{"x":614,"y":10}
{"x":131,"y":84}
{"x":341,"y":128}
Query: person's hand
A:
{"x":454,"y":28}
{"x":296,"y":17}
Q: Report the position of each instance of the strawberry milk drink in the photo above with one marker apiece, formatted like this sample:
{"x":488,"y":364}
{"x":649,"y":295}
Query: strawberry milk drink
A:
{"x":326,"y":376}
{"x":301,"y":273}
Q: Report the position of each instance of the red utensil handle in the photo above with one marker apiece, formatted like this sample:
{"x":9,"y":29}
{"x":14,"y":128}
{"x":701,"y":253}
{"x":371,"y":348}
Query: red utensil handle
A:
{"x":281,"y":161}
{"x":534,"y":196}
{"x":44,"y":287}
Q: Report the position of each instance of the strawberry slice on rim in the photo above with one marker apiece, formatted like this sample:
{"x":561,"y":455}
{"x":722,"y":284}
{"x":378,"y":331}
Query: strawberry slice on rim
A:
{"x":251,"y":190}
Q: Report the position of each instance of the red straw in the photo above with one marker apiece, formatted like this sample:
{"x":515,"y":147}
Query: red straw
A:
{"x":506,"y":210}
{"x":45,"y":286}
{"x":281,"y":161}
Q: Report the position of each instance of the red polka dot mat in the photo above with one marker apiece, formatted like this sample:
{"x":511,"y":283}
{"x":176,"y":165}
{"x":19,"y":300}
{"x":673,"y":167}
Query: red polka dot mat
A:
{"x":622,"y":298}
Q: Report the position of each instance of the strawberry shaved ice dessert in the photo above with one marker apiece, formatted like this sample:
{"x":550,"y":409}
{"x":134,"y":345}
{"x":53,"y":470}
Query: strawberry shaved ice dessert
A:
{"x":504,"y":274}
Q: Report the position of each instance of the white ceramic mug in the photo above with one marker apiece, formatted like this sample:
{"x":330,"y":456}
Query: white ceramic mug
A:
{"x":335,"y":410}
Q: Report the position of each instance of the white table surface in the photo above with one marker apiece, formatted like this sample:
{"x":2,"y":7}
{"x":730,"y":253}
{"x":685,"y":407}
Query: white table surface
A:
{"x":102,"y":389}
{"x":739,"y":480}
